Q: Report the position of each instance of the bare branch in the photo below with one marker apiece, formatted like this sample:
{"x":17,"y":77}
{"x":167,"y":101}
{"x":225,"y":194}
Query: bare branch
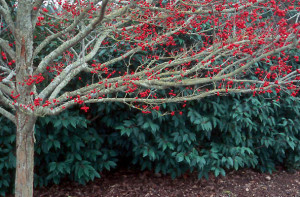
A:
{"x":60,"y":81}
{"x":61,"y":40}
{"x":197,"y":81}
{"x":4,"y":4}
{"x":5,"y":69}
{"x":5,"y":89}
{"x":67,"y":79}
{"x":200,"y":10}
{"x":4,"y":44}
{"x":60,"y":33}
{"x":5,"y":12}
{"x":35,"y":11}
{"x":8,"y":115}
{"x":195,"y":96}
{"x":81,"y":35}
{"x":7,"y":102}
{"x":7,"y":79}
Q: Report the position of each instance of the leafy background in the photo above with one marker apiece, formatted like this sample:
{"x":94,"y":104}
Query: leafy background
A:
{"x":215,"y":135}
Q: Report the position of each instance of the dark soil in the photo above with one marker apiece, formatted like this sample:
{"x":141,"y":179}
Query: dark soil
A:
{"x":146,"y":184}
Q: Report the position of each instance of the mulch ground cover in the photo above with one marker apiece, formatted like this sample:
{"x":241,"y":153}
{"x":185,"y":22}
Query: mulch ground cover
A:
{"x":131,"y":183}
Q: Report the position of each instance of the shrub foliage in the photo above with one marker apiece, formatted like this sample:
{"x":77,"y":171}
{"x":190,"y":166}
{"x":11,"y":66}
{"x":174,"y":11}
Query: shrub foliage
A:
{"x":212,"y":135}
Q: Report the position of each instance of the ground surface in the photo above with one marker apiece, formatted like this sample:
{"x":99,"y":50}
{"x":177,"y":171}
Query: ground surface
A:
{"x":145,"y":184}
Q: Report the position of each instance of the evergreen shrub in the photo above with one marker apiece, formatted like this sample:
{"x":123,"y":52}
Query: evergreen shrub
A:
{"x":214,"y":135}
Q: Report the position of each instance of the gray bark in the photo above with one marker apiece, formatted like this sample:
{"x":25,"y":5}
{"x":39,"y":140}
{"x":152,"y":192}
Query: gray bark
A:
{"x":25,"y":155}
{"x":25,"y":121}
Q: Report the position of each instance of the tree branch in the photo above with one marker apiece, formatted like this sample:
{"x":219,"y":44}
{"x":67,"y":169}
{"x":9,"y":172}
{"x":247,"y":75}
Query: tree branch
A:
{"x":62,"y":41}
{"x":4,"y":44}
{"x":197,"y":81}
{"x":8,"y":115}
{"x":5,"y":12}
{"x":59,"y":82}
{"x":35,"y":12}
{"x":60,"y":33}
{"x":66,"y":80}
{"x":6,"y":101}
{"x":5,"y":69}
{"x":61,"y":79}
{"x":195,"y":96}
{"x":202,"y":11}
{"x":7,"y":79}
{"x":5,"y":89}
{"x":4,"y":4}
{"x":81,"y":35}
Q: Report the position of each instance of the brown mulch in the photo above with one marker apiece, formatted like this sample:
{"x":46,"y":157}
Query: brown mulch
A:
{"x":146,"y":184}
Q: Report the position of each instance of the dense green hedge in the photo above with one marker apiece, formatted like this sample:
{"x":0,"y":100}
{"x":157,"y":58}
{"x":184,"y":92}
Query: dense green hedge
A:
{"x":216,"y":134}
{"x":212,"y":135}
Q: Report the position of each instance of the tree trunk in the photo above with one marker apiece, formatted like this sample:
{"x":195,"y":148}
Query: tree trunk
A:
{"x":25,"y":155}
{"x":24,"y":121}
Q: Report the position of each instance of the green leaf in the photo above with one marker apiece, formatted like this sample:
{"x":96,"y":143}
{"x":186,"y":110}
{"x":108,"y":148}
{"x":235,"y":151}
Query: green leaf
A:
{"x":180,"y":157}
{"x":217,"y":172}
{"x":151,"y":154}
{"x":52,"y":166}
{"x":56,"y":144}
{"x":230,"y":161}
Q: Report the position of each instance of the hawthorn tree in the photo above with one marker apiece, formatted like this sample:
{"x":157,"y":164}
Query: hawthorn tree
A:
{"x":46,"y":46}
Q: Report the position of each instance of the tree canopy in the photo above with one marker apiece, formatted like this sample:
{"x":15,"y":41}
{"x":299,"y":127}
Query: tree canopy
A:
{"x":132,"y":49}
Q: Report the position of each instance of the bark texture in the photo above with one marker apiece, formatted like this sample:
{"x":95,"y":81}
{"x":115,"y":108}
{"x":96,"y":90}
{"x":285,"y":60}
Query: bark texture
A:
{"x":25,"y":121}
{"x":25,"y":155}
